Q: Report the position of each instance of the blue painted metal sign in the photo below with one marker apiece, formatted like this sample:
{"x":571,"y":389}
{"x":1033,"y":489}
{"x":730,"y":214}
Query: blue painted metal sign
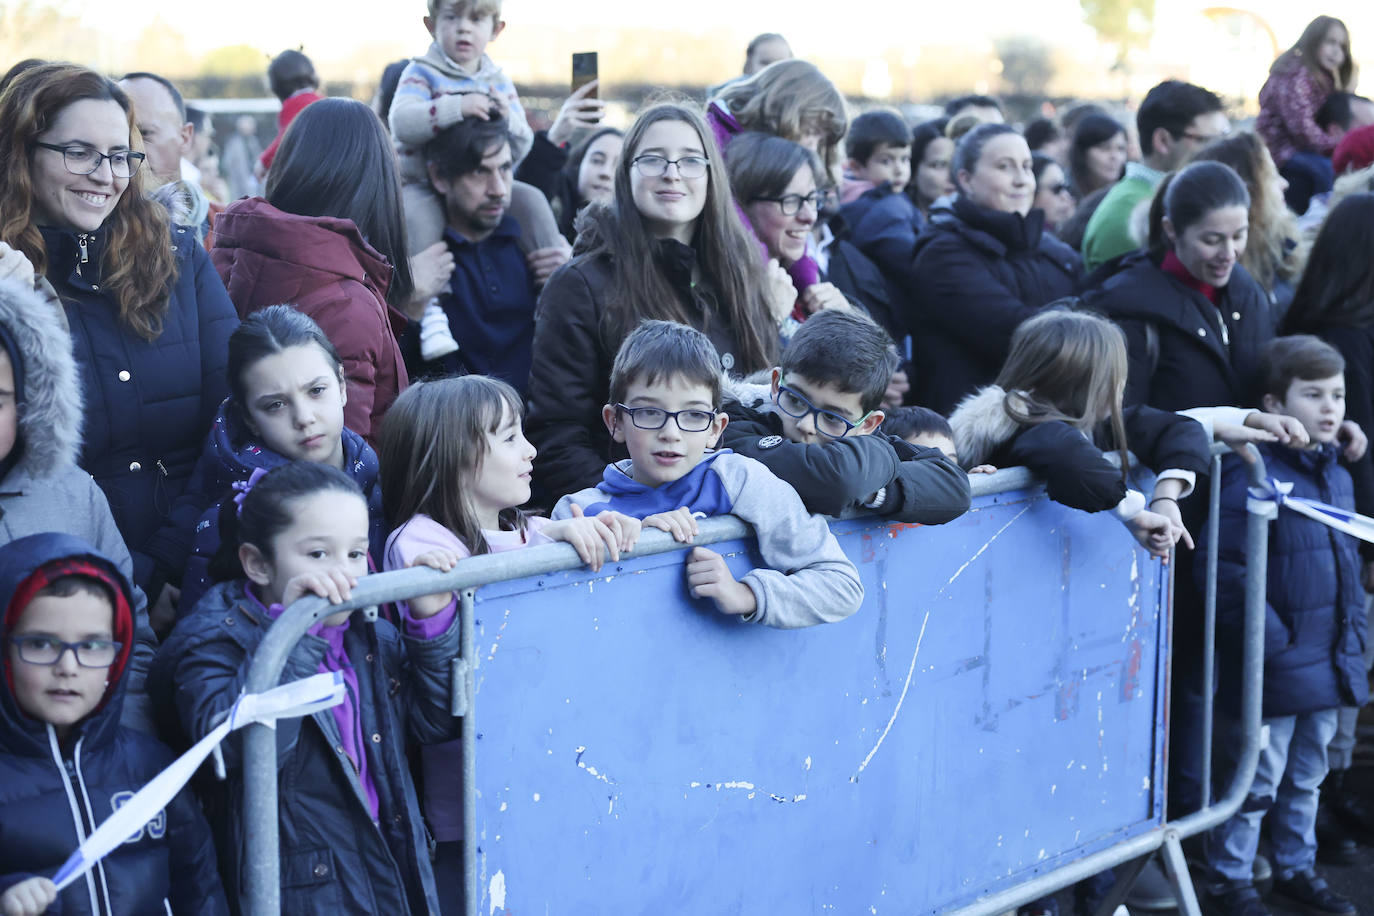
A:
{"x":993,"y":710}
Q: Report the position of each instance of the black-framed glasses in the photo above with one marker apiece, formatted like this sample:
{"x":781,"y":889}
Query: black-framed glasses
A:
{"x":792,"y":203}
{"x":82,"y":160}
{"x":45,"y":650}
{"x":657,"y":166}
{"x":1199,"y":138}
{"x":689,"y":421}
{"x":828,"y":422}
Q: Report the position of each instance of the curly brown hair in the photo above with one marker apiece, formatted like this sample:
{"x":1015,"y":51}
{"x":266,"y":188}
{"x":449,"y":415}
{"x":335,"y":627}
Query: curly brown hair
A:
{"x":137,"y":260}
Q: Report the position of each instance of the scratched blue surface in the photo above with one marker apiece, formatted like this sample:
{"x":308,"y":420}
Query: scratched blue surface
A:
{"x":991,"y":709}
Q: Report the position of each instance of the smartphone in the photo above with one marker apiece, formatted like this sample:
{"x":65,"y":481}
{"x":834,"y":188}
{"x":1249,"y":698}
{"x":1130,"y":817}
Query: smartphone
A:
{"x":584,"y":71}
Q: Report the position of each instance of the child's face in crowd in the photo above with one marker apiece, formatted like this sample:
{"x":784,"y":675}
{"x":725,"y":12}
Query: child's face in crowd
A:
{"x":329,"y":531}
{"x":1002,"y":179}
{"x":502,"y":480}
{"x":784,"y":234}
{"x":933,"y":179}
{"x":1319,"y":404}
{"x":295,"y":402}
{"x":888,"y":163}
{"x":596,"y":175}
{"x":669,"y":203}
{"x":9,"y":408}
{"x":666,"y":454}
{"x":1331,"y":52}
{"x":1210,"y":247}
{"x":824,"y":396}
{"x":64,"y":693}
{"x":462,"y":34}
{"x":936,"y":440}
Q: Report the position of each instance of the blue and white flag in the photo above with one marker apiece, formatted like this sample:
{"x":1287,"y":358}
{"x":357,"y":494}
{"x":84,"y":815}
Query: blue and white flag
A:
{"x":299,"y":698}
{"x":1266,"y":499}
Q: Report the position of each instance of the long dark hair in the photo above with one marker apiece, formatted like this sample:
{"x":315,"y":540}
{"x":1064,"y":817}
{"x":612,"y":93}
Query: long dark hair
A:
{"x":725,"y":253}
{"x":269,"y":508}
{"x":137,"y":260}
{"x":922,"y":135}
{"x":1304,"y":54}
{"x":573,"y":166}
{"x":264,"y":333}
{"x":1189,"y":195}
{"x":1337,"y":289}
{"x":433,"y":442}
{"x":336,"y":160}
{"x":1094,"y":129}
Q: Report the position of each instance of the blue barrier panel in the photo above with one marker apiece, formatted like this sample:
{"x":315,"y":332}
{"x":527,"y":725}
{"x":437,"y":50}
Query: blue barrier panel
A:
{"x":993,"y":711}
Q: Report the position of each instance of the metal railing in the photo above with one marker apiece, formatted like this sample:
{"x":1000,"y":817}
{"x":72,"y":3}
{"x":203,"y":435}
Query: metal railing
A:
{"x":262,"y":863}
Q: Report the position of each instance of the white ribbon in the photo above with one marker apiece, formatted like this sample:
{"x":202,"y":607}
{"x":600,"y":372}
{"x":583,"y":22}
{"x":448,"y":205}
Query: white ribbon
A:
{"x":299,"y":698}
{"x":1265,"y":500}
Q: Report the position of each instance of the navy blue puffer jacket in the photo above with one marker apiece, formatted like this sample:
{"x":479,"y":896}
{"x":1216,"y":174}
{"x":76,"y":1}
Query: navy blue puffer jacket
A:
{"x":1315,"y":628}
{"x":54,"y":792}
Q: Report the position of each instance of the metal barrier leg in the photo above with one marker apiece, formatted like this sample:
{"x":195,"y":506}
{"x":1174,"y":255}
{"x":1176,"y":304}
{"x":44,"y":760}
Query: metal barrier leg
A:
{"x":467,"y":641}
{"x":1126,"y":876}
{"x":1176,"y":867}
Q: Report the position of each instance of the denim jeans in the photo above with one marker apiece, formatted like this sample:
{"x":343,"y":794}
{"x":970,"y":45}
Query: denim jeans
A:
{"x":1290,"y":771}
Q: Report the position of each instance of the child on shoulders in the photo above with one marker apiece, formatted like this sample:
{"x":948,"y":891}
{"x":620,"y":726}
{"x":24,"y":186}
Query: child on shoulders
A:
{"x":665,"y":395}
{"x":818,"y":428}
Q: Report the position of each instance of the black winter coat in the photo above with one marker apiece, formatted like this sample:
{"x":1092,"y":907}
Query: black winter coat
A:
{"x":543,"y":167}
{"x":148,"y":404}
{"x":885,"y":227}
{"x":861,"y":282}
{"x":54,"y":793}
{"x":839,"y":475}
{"x":1315,"y":627}
{"x":1357,"y":346}
{"x":1194,"y":364}
{"x":334,"y":858}
{"x":571,"y":373}
{"x":978,"y":275}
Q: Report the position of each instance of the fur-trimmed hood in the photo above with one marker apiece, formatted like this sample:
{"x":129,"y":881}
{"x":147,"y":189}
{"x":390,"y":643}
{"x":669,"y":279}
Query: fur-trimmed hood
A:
{"x":754,"y":391}
{"x":50,"y":415}
{"x":981,"y":425}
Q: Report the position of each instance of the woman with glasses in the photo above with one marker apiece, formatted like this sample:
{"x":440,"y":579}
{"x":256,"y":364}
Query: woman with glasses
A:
{"x":667,"y":246}
{"x":779,"y":185}
{"x":983,"y":270}
{"x":328,"y":238}
{"x":1053,"y":193}
{"x":149,"y":318}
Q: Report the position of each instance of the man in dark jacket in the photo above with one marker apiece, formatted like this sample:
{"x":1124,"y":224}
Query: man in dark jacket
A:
{"x":66,"y":764}
{"x":817,"y":428}
{"x":1314,"y":635}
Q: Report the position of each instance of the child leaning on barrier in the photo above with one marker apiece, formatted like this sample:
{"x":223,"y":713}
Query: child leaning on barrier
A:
{"x":1314,"y":631}
{"x":665,"y":396}
{"x":817,"y":427}
{"x":456,"y":468}
{"x":352,"y":837}
{"x":926,"y":428}
{"x":1057,"y":397}
{"x":286,"y":403}
{"x":66,"y":763}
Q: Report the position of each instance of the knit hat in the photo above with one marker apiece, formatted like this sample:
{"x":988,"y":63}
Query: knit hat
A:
{"x":1355,"y":151}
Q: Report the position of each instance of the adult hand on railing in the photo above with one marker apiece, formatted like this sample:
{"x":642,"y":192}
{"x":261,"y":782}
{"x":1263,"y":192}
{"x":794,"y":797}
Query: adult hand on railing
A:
{"x":709,"y":577}
{"x":1155,"y":532}
{"x":30,"y":897}
{"x":425,"y":606}
{"x":680,"y":523}
{"x":1355,"y":440}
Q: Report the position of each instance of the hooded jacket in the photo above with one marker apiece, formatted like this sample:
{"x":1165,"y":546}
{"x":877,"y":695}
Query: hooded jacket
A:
{"x":42,"y":489}
{"x":977,"y":275}
{"x":570,"y":376}
{"x":148,"y":403}
{"x":1076,"y":471}
{"x":838,"y":475}
{"x":54,"y":792}
{"x":325,"y":268}
{"x":1315,"y":627}
{"x":232,"y":453}
{"x":335,"y":858}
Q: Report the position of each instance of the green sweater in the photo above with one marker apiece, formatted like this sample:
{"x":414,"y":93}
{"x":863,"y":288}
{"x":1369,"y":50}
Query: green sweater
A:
{"x":1108,"y":233}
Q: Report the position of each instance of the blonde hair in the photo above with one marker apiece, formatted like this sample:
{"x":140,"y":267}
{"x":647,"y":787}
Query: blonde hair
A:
{"x":788,"y":99}
{"x":1070,"y":367}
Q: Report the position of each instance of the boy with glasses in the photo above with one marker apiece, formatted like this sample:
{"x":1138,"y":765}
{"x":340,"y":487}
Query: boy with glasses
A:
{"x":664,"y":406}
{"x":66,"y":764}
{"x":818,"y":427}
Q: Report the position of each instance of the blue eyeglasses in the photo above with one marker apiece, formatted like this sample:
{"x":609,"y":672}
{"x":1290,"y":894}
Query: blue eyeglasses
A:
{"x":828,"y":422}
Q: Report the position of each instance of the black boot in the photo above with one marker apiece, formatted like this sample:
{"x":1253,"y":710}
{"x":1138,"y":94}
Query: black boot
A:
{"x":1351,"y":806}
{"x":1335,"y":845}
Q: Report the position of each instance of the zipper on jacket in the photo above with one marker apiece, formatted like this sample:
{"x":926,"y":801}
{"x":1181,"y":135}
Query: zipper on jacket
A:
{"x":90,"y":815}
{"x":162,"y":467}
{"x":81,"y":240}
{"x":66,"y":769}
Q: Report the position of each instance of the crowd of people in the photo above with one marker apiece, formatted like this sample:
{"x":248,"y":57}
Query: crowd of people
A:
{"x":406,"y":333}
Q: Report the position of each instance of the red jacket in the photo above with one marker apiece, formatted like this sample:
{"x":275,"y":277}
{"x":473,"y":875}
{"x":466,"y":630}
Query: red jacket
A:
{"x":322,"y":266}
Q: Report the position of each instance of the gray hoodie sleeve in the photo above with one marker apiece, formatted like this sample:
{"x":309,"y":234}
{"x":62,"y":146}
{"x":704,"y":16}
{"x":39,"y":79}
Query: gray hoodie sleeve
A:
{"x":583,"y":498}
{"x":808,"y":579}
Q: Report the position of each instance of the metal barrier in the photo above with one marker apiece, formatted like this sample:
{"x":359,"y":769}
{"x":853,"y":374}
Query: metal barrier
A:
{"x":707,"y":766}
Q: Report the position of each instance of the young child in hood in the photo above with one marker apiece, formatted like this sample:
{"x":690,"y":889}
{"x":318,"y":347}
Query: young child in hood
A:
{"x":66,"y":763}
{"x":41,"y":487}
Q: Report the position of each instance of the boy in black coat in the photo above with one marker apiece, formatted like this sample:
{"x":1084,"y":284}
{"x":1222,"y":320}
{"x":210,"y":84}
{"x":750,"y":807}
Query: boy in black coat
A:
{"x":817,"y":427}
{"x":1313,"y":636}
